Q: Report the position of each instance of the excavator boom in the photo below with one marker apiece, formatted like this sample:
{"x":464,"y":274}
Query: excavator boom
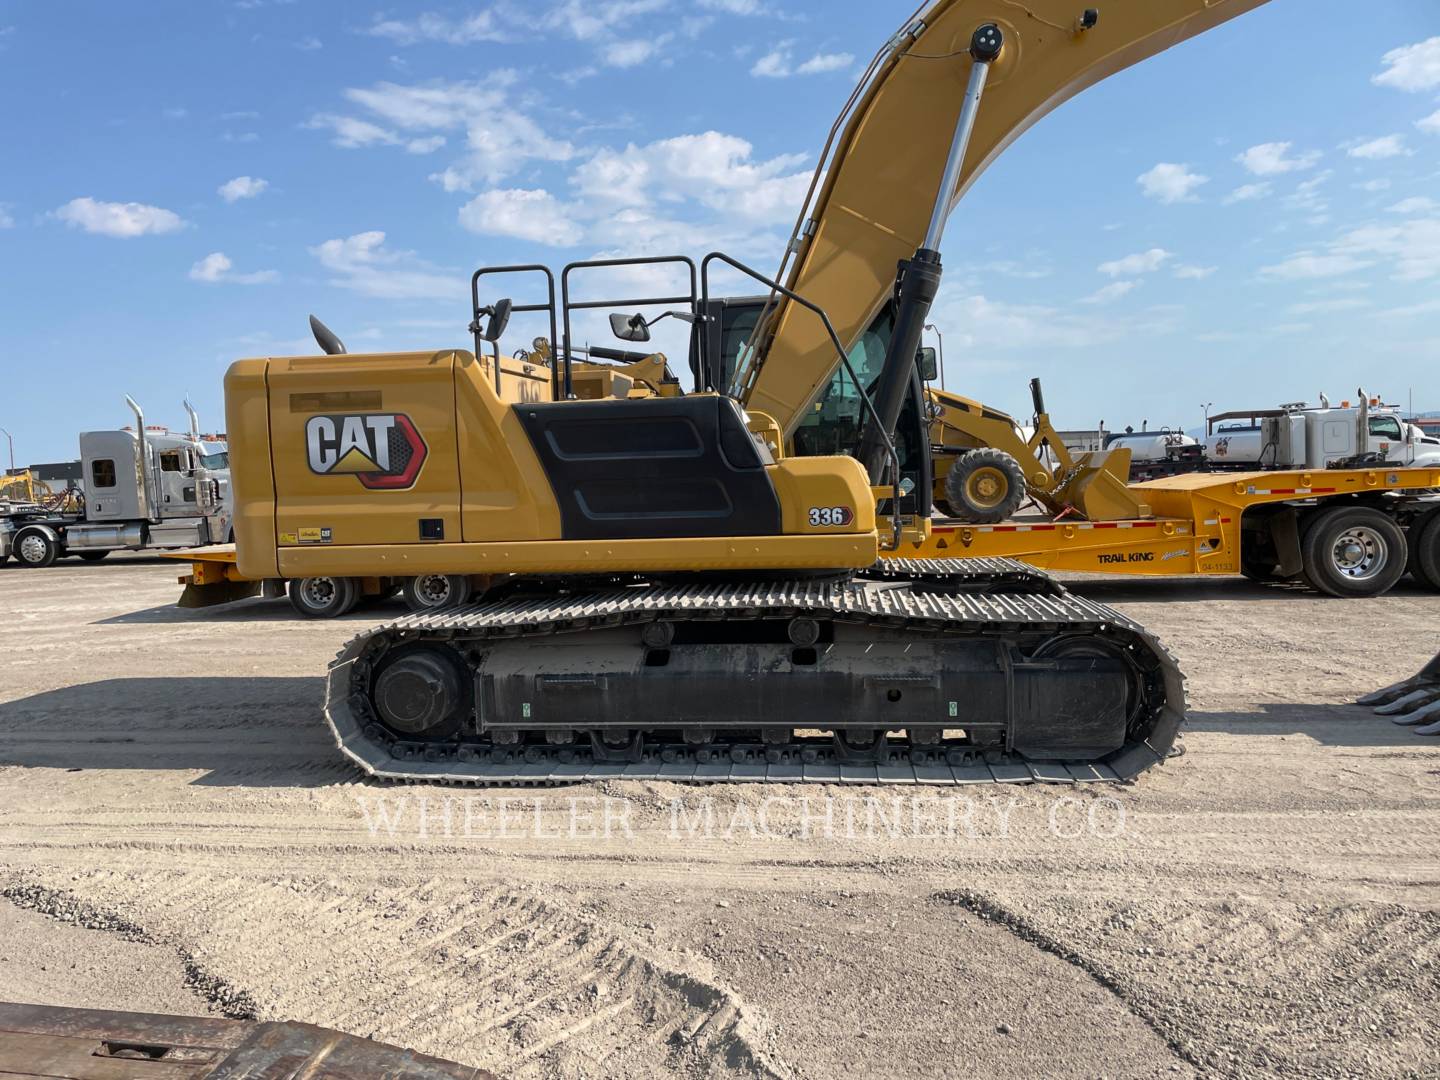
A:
{"x":886,"y":159}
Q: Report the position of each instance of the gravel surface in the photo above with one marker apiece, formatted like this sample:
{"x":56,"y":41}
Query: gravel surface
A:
{"x":177,"y":833}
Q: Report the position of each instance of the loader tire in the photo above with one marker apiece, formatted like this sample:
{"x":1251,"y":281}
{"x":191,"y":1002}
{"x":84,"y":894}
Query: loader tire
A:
{"x":985,"y":486}
{"x":1425,"y":553}
{"x":1353,"y":552}
{"x":324,"y":597}
{"x":430,"y":592}
{"x":34,"y":548}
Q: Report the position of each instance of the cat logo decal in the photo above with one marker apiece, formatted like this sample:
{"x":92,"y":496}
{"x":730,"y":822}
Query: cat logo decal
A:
{"x":384,"y":451}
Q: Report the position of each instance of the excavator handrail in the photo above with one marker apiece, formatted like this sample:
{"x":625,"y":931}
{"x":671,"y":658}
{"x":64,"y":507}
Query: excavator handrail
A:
{"x":795,"y":297}
{"x":521,"y":268}
{"x":567,"y":305}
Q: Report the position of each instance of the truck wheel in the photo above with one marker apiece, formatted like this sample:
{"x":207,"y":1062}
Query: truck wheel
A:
{"x":323,"y":597}
{"x":92,"y":556}
{"x":34,"y":547}
{"x":985,"y":486}
{"x":429,"y":592}
{"x":1425,"y":553}
{"x":1353,"y":552}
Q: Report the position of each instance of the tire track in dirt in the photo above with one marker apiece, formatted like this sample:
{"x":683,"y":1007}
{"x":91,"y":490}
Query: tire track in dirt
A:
{"x":494,"y":976}
{"x":1251,"y":986}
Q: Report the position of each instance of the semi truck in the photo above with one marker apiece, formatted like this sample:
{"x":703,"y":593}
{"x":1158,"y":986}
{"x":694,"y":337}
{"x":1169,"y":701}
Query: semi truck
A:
{"x":141,"y":489}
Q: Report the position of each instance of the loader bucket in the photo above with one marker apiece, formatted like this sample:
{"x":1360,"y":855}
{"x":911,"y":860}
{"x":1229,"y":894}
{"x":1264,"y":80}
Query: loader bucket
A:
{"x":1099,"y":487}
{"x":1413,"y":702}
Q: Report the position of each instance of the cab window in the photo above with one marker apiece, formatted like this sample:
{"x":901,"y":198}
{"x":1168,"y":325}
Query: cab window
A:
{"x":1385,"y":427}
{"x":102,"y":472}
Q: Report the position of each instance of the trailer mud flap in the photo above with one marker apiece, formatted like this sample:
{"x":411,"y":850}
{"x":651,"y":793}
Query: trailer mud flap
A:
{"x":218,"y":592}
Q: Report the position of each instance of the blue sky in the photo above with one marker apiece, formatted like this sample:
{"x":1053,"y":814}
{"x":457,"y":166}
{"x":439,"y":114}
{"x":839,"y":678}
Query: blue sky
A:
{"x":1251,"y":217}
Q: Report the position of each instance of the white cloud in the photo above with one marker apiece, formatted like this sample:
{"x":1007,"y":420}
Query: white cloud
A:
{"x":1273,"y":158}
{"x":242,"y":187}
{"x":1412,"y":249}
{"x":6,"y":221}
{"x":1248,"y":193}
{"x":779,"y":63}
{"x":362,"y":262}
{"x":1380,"y":183}
{"x":1110,"y":293}
{"x":633,"y":52}
{"x":1386,"y":146}
{"x":1144,"y":262}
{"x":500,"y":138}
{"x":823,"y":62}
{"x":1339,"y":303}
{"x":1430,"y":124}
{"x":714,"y":169}
{"x":215,"y":268}
{"x":123,"y":220}
{"x":1307,"y":265}
{"x":1169,"y":183}
{"x":1412,"y":67}
{"x":1418,"y":204}
{"x":1425,"y":307}
{"x":431,"y":27}
{"x":734,"y":7}
{"x":309,"y":44}
{"x":533,"y":215}
{"x":1194,"y":273}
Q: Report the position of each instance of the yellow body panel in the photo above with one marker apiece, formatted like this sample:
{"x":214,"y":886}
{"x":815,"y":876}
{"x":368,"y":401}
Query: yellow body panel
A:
{"x":586,"y":556}
{"x":304,"y":509}
{"x":881,"y":182}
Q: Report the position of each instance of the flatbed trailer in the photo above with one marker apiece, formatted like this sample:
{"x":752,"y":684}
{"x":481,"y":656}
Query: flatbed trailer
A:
{"x":1348,"y":532}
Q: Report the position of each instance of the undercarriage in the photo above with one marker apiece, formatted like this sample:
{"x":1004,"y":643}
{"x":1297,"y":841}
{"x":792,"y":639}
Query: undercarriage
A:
{"x":934,"y":672}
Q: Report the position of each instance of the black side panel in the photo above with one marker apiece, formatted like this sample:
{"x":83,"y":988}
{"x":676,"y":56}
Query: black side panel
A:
{"x":653,"y":467}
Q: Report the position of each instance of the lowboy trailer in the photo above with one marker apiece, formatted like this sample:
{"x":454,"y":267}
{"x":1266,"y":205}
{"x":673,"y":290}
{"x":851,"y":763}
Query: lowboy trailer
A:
{"x":1347,"y":532}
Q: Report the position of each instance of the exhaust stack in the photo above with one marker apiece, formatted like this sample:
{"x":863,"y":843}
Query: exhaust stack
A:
{"x":142,"y":463}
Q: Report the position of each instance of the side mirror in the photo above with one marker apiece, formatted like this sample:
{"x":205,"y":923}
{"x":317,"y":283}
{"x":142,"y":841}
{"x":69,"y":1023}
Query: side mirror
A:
{"x":499,"y":313}
{"x":629,"y":327}
{"x":929,"y":366}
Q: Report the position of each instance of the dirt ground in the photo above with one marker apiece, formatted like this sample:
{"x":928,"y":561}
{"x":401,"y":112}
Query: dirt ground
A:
{"x":178,"y":834}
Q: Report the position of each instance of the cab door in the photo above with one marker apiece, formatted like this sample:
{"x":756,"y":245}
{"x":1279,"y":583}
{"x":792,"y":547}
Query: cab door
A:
{"x":364,"y":450}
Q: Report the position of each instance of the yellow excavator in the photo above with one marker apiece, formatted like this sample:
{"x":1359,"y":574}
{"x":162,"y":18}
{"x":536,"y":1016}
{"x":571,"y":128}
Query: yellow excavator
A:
{"x":707,"y":585}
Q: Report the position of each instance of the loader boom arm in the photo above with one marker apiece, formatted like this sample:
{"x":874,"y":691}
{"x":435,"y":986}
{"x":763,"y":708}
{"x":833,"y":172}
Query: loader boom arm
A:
{"x":883,"y":166}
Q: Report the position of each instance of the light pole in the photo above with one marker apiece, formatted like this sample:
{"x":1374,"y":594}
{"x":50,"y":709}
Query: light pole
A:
{"x":1206,"y":430}
{"x":11,"y":440}
{"x":940,"y":351}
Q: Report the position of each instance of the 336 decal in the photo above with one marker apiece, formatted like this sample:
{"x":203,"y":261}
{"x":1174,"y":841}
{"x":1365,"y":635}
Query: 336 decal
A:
{"x":384,"y":451}
{"x":830,"y":517}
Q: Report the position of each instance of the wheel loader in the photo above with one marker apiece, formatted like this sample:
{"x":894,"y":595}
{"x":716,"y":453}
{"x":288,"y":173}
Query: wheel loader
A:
{"x":705,"y":585}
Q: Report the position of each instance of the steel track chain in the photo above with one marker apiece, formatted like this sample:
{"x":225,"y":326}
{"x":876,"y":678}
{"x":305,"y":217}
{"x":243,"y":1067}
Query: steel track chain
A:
{"x":892,"y":596}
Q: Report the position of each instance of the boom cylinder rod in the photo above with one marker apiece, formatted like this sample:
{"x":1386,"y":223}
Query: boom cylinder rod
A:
{"x":918,"y":279}
{"x":984,"y":49}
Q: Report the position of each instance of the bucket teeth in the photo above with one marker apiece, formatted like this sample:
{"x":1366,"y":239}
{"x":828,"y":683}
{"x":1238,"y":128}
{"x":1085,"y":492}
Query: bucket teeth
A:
{"x":1408,"y":702}
{"x":1428,"y":680}
{"x":1422,"y":711}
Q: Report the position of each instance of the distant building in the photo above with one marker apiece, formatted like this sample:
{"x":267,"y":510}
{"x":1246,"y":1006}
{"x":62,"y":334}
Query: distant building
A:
{"x":1430,"y":425}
